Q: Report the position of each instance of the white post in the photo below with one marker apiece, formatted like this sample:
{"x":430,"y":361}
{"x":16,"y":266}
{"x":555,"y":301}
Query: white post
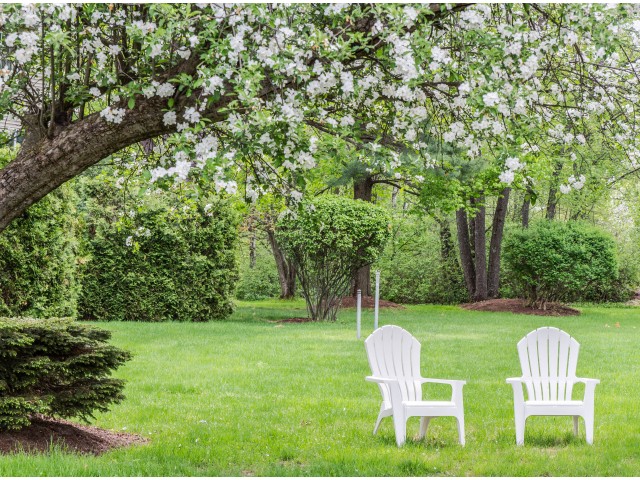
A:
{"x":358,"y":313}
{"x":375,"y":314}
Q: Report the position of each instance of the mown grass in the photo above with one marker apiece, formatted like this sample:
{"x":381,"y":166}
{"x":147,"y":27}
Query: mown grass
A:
{"x":250,"y":397}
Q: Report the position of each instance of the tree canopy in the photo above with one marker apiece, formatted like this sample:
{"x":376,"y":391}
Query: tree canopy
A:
{"x":261,"y":87}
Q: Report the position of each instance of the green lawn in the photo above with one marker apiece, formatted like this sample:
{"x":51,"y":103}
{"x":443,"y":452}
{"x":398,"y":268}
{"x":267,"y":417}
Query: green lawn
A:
{"x":251,"y":397}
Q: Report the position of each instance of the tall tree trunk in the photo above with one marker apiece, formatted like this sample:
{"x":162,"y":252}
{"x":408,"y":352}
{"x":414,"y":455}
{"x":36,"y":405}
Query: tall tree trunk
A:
{"x":464,"y":246}
{"x":252,"y":245}
{"x":286,"y":268}
{"x":552,"y":202}
{"x":495,"y":246}
{"x":526,"y":207}
{"x":480,"y":244}
{"x":362,"y":190}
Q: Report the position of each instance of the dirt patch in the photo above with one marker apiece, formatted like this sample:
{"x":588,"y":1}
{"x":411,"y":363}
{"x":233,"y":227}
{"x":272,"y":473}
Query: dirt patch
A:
{"x":516,"y":305}
{"x":295,"y":320}
{"x":367,"y":302}
{"x":73,"y":437}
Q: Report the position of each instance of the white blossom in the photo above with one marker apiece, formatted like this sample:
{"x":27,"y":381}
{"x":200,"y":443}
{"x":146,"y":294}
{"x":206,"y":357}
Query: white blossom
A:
{"x":165,"y":90}
{"x":169,"y":118}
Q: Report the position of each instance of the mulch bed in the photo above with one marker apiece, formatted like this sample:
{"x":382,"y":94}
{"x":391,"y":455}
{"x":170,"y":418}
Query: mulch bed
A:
{"x":515,"y":305}
{"x":73,"y":437}
{"x":367,"y":302}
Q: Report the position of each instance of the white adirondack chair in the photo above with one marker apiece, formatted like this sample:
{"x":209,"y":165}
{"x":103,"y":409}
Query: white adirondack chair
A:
{"x":548,"y":357}
{"x":394,"y":358}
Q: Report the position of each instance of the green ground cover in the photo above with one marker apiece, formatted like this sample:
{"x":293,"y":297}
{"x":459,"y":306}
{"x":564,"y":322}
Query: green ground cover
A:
{"x":250,"y":397}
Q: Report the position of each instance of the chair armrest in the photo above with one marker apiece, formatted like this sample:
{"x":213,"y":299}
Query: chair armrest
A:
{"x":440,"y":380}
{"x":516,"y":380}
{"x":381,"y":379}
{"x":593,"y":381}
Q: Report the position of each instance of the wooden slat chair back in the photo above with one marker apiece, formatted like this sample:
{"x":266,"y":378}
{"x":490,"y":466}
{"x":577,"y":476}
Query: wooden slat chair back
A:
{"x":394,"y":358}
{"x":548,"y":358}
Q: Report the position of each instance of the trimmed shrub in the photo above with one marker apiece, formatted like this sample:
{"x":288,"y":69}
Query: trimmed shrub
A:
{"x":556,"y":261}
{"x":38,"y":257}
{"x":55,"y":367}
{"x":329,"y":239}
{"x":171,"y":261}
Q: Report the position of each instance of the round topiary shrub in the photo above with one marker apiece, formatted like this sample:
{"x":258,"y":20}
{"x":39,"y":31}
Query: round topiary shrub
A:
{"x":556,"y":261}
{"x":329,"y":239}
{"x":168,"y":262}
{"x":55,"y":367}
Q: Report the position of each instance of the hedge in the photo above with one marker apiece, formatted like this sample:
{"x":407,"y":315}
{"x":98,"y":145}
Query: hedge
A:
{"x":38,"y":257}
{"x":176,"y":263}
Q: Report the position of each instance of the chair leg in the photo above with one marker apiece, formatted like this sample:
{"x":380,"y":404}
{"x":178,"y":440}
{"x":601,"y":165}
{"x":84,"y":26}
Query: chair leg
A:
{"x":400,"y":427}
{"x":460,"y":420}
{"x":520,"y":421}
{"x":380,"y":417}
{"x":424,"y":424}
{"x":576,"y":420}
{"x":588,"y":427}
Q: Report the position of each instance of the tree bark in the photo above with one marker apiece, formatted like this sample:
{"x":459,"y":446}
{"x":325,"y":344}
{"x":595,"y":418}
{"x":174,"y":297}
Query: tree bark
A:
{"x":552,"y":202}
{"x":464,"y":246}
{"x":46,"y":163}
{"x":286,"y":269}
{"x":495,"y":246}
{"x":526,"y":206}
{"x":252,"y":247}
{"x":480,"y":243}
{"x":362,"y":190}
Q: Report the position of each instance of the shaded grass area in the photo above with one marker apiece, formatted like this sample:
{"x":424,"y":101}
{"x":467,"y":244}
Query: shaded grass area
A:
{"x":250,"y":397}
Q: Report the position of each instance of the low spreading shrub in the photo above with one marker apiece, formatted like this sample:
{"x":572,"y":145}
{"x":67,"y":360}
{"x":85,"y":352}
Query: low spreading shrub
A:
{"x":560,"y":261}
{"x":55,"y":367}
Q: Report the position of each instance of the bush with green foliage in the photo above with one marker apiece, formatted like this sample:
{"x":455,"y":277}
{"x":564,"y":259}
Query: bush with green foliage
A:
{"x":413,"y":267}
{"x":560,"y":261}
{"x":169,"y":260}
{"x":55,"y":367}
{"x":38,"y":257}
{"x":260,"y":281}
{"x":329,"y":239}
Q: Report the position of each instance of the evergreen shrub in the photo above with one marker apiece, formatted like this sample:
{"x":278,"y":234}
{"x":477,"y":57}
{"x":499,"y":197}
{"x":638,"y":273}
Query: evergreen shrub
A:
{"x":55,"y":367}
{"x":38,"y":257}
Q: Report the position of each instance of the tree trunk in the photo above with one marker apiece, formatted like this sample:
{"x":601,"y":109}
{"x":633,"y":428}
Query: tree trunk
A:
{"x":46,"y":163}
{"x":526,"y":206}
{"x":464,"y":245}
{"x":286,"y":269}
{"x":252,"y":248}
{"x":495,"y":246}
{"x":552,"y":202}
{"x":480,"y":244}
{"x":362,"y":190}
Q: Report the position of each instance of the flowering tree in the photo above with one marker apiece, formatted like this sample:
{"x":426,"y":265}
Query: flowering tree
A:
{"x":261,"y":86}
